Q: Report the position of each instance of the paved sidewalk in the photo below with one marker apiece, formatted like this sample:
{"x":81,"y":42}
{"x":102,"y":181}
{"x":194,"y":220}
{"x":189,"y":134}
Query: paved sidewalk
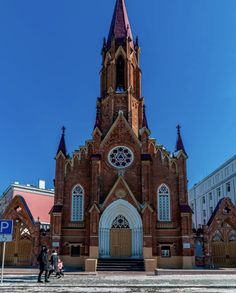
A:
{"x":124,"y":283}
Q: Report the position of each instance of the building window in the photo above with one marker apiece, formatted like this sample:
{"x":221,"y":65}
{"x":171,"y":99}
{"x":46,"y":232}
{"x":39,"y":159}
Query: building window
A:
{"x":210,"y":196}
{"x":77,"y":207}
{"x":218,"y":192}
{"x":204,"y":213}
{"x":163,"y":203}
{"x":211,"y":210}
{"x":203,"y":200}
{"x":75,"y":251}
{"x":204,"y":222}
{"x":192,"y":207}
{"x":228,"y":187}
{"x":165,"y":251}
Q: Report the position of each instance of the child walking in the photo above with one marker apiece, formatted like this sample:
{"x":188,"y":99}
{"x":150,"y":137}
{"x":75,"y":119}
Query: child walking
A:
{"x":60,"y":272}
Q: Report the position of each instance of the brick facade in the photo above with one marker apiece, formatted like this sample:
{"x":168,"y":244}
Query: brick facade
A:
{"x":121,"y":121}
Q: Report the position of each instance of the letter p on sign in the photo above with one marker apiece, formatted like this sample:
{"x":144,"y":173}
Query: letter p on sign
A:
{"x":6,"y":226}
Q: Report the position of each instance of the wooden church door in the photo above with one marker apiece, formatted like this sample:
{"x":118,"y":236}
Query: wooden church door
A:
{"x":120,"y":238}
{"x":224,"y":247}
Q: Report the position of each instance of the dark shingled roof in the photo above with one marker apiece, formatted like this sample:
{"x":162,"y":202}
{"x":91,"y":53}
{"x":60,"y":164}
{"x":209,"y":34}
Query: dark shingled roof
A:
{"x":120,"y":27}
{"x":185,"y":208}
{"x":62,"y":144}
{"x":56,"y":208}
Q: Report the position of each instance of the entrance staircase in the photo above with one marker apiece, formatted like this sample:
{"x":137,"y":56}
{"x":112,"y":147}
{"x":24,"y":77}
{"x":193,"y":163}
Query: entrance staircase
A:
{"x":120,"y":265}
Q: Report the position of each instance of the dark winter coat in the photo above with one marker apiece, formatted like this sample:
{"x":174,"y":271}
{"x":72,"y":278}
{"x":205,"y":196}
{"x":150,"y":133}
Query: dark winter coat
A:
{"x":54,"y":261}
{"x":44,"y":261}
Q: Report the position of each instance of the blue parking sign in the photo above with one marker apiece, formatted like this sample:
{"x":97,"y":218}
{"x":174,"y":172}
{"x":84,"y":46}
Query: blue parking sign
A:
{"x":6,"y":227}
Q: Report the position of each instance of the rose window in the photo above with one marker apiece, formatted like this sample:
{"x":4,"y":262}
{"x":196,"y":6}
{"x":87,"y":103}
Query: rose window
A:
{"x":120,"y":157}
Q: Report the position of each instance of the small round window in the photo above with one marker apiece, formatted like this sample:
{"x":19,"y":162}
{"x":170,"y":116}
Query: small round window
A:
{"x":120,"y":157}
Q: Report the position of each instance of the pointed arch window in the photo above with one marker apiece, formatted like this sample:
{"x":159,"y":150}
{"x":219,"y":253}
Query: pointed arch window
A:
{"x":120,"y":74}
{"x":77,"y":207}
{"x":163,"y":199}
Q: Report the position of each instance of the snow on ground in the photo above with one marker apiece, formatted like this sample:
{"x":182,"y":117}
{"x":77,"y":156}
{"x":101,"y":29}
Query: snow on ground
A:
{"x":122,"y":284}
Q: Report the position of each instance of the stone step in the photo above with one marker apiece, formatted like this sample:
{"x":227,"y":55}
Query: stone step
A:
{"x":135,"y":265}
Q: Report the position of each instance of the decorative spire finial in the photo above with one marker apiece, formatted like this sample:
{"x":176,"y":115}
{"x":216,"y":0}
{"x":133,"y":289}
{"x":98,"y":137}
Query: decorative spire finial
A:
{"x":63,"y":130}
{"x":62,"y":144}
{"x":178,"y":129}
{"x":179,"y":142}
{"x":97,"y":121}
{"x":145,"y":123}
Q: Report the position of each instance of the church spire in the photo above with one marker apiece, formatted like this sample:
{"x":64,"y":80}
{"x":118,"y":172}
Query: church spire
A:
{"x":179,"y":142}
{"x":62,"y":144}
{"x":145,"y":123}
{"x":120,"y":27}
{"x":97,"y":121}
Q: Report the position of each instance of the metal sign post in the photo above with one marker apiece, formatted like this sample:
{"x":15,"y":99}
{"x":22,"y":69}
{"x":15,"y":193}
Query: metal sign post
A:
{"x":6,"y":229}
{"x":3,"y":260}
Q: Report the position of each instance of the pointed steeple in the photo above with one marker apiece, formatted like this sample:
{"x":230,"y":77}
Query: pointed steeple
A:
{"x":62,"y":144}
{"x":179,"y":142}
{"x":145,"y":123}
{"x":97,"y":121}
{"x":120,"y":27}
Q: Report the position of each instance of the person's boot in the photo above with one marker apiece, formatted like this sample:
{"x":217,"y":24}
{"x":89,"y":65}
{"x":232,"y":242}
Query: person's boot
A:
{"x":40,"y":281}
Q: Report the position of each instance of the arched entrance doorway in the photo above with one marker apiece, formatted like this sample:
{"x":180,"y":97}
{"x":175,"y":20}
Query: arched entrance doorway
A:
{"x":19,"y":251}
{"x":120,"y":231}
{"x":223,"y":246}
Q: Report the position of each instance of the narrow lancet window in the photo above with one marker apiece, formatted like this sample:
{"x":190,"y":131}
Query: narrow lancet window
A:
{"x":120,"y":75}
{"x":77,"y":207}
{"x":163,"y":203}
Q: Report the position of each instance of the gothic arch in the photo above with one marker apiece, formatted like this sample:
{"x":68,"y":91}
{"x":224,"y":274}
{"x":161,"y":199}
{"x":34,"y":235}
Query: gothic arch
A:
{"x":164,"y":205}
{"x":77,"y":203}
{"x":115,"y":209}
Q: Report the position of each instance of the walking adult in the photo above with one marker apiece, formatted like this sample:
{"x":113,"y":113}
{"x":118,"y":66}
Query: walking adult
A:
{"x":53,"y":263}
{"x":43,"y":264}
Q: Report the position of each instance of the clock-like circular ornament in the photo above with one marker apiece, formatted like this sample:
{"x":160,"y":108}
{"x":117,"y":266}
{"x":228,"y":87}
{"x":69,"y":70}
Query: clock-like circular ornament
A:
{"x":120,"y":157}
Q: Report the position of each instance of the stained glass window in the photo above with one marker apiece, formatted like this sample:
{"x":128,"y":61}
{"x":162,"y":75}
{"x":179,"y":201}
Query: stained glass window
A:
{"x":77,"y":213}
{"x":120,"y":157}
{"x":120,"y":222}
{"x":163,"y":203}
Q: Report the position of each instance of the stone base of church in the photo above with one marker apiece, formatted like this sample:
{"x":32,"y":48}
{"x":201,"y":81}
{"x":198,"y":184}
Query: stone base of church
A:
{"x":90,"y":265}
{"x":93,"y":252}
{"x":150,"y":264}
{"x":174,"y":262}
{"x":76,"y":262}
{"x":188,"y":262}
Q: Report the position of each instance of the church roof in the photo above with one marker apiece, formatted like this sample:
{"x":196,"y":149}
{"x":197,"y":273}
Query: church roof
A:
{"x":62,"y":144}
{"x":120,"y":27}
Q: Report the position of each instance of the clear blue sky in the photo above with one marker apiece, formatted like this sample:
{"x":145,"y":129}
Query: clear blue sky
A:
{"x":49,"y":77}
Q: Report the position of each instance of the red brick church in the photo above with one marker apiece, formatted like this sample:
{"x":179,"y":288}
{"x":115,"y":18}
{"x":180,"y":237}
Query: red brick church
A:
{"x":122,"y":196}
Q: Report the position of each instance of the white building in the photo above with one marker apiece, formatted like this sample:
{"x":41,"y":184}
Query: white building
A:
{"x":204,"y":196}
